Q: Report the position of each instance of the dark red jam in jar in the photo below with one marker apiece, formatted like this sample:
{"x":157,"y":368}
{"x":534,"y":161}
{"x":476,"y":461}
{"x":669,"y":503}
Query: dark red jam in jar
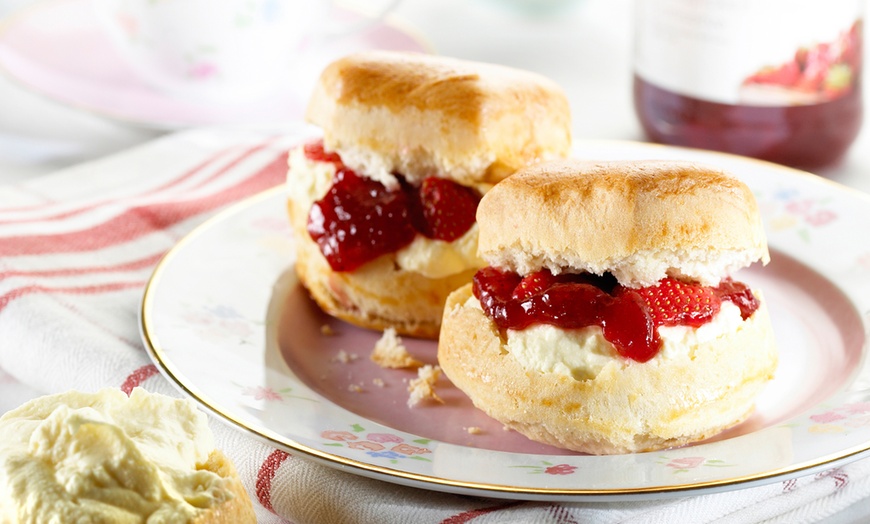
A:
{"x":628,"y":317}
{"x":359,"y":219}
{"x":707,"y":77}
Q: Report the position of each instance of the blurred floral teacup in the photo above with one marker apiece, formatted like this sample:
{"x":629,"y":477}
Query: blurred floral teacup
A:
{"x":216,"y":49}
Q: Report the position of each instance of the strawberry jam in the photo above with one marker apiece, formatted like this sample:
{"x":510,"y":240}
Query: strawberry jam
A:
{"x":442,"y":209}
{"x":629,"y":318}
{"x":360,"y":219}
{"x":314,"y":151}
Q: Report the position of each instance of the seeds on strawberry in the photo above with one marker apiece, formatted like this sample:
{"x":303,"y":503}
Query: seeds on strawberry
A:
{"x":629,"y":318}
{"x":673,"y":302}
{"x":534,"y":284}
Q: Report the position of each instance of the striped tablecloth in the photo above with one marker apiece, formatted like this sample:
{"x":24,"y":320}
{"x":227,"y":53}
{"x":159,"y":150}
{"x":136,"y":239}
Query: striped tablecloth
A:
{"x":76,"y":249}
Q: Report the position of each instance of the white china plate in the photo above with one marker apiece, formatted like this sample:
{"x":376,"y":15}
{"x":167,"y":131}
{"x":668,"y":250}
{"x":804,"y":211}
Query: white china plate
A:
{"x":225,"y":320}
{"x":58,"y":49}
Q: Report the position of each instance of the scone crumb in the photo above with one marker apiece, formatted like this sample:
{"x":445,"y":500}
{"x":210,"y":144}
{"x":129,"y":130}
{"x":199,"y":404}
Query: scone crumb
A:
{"x":379,"y":382}
{"x":473,"y":430}
{"x":389,"y":352}
{"x":326,"y":330}
{"x":355,"y":388}
{"x":423,"y":386}
{"x":344,"y":357}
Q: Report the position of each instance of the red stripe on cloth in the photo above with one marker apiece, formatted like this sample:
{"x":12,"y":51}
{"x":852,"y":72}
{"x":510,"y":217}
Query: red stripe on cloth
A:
{"x":465,"y":516}
{"x":153,"y":191}
{"x":137,"y":377}
{"x":75,"y":271}
{"x":141,"y":220}
{"x":267,"y":472}
{"x":840,"y":477}
{"x":77,"y":290}
{"x":245,"y":154}
{"x":562,"y":515}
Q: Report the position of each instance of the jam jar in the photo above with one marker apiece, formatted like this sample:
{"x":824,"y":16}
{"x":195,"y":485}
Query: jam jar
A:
{"x":778,"y":80}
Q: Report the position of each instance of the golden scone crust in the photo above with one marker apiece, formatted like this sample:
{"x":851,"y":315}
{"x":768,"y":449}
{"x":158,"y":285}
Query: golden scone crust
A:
{"x":238,"y":509}
{"x":640,"y":220}
{"x":628,"y":406}
{"x":378,"y":294}
{"x":421,"y":115}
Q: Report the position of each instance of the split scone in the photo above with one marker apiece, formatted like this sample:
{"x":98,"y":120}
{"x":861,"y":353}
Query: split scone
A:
{"x":383,"y":207}
{"x":607,"y":320}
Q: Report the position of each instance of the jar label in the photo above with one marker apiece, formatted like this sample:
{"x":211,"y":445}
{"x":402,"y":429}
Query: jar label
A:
{"x":750,"y":52}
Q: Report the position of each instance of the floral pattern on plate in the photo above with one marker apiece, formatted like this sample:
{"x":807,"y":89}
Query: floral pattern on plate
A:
{"x":812,"y":417}
{"x":378,"y":445}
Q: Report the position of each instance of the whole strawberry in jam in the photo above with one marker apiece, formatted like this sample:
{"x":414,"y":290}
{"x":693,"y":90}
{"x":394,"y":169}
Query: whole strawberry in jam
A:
{"x":359,"y":220}
{"x":675,"y":303}
{"x":443,"y":209}
{"x":536,"y":283}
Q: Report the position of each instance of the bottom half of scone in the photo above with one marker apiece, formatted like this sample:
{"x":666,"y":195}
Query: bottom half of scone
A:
{"x":379,"y":294}
{"x":627,"y":406}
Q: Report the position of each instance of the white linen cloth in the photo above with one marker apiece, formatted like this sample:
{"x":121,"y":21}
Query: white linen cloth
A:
{"x":76,"y":249}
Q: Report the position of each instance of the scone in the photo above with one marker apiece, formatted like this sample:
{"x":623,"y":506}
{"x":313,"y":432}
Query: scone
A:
{"x":383,"y":207}
{"x":104,"y":457}
{"x":607,"y":320}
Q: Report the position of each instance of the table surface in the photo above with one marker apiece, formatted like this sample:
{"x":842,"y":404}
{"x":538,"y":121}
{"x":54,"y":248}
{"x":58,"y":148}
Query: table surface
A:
{"x":586,"y":48}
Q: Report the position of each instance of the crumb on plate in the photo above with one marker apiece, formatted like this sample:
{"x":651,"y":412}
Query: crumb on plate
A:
{"x":344,"y":357}
{"x":389,"y":352}
{"x":423,"y":386}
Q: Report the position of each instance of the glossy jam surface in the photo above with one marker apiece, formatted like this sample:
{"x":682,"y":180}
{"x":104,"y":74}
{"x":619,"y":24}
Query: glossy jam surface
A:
{"x":628,"y":317}
{"x":441,"y":209}
{"x":360,"y":219}
{"x":804,"y":136}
